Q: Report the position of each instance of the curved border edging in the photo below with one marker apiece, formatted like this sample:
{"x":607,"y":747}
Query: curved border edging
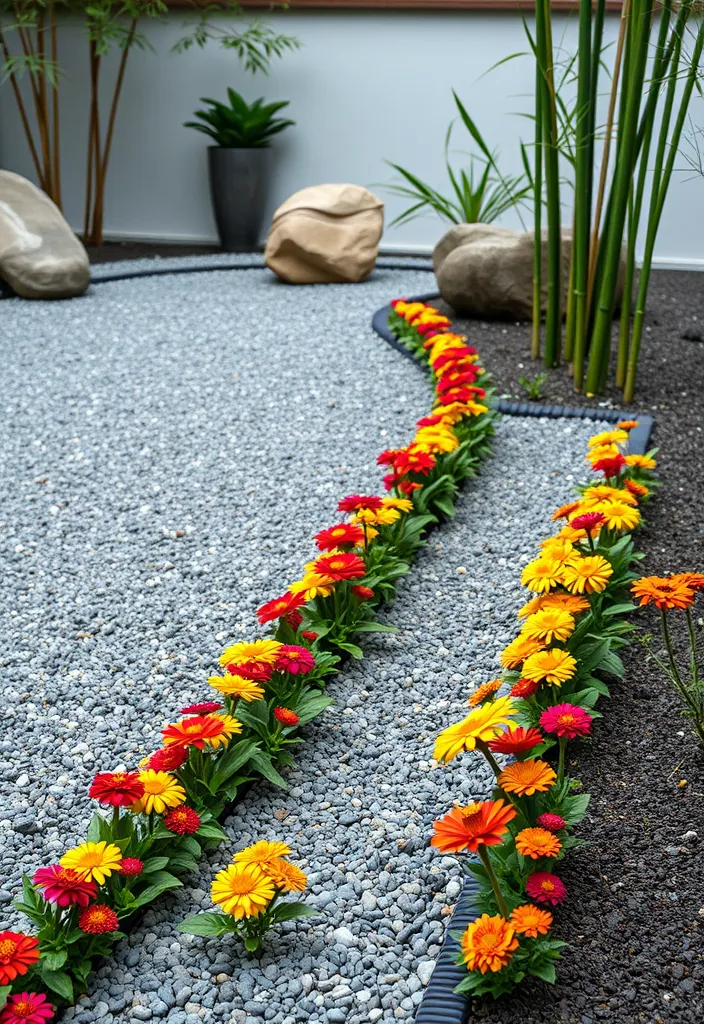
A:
{"x":440,"y":1004}
{"x":639,"y":438}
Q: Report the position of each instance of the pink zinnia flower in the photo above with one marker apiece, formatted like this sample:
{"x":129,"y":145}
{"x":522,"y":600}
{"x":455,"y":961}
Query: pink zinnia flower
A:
{"x":64,"y":886}
{"x":610,"y":466}
{"x":130,"y":867}
{"x":293,"y":659}
{"x":566,"y":720}
{"x":205,"y":708}
{"x":26,"y":1008}
{"x":552,"y":822}
{"x":588,"y":521}
{"x":546,"y":888}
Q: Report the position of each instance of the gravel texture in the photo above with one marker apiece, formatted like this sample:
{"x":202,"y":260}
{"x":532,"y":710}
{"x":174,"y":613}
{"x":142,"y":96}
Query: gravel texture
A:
{"x":169,"y":446}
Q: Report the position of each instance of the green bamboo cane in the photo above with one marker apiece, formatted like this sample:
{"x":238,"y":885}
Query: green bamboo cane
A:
{"x":544,"y":53}
{"x":623,"y":175}
{"x":582,"y":185}
{"x":537,"y":221}
{"x":661,"y":184}
{"x":663,"y":57}
{"x":571,"y":305}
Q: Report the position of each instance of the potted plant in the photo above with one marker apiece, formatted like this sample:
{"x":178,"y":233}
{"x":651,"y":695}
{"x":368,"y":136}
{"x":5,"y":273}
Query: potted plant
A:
{"x":239,"y":164}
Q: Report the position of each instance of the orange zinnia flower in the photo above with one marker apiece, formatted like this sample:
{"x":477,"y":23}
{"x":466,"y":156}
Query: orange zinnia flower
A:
{"x":641,"y":461}
{"x":201,"y":730}
{"x":588,"y":575}
{"x":488,"y":943}
{"x":537,"y":842}
{"x":636,"y":488}
{"x":519,"y":649}
{"x":524,"y":778}
{"x":484,"y":691}
{"x":468,"y":828}
{"x":17,"y":954}
{"x":531,"y":921}
{"x":664,"y":592}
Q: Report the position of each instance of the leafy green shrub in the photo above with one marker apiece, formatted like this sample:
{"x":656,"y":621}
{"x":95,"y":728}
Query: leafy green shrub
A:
{"x":240,"y":125}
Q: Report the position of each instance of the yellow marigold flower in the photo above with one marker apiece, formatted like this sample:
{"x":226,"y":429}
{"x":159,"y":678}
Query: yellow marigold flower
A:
{"x":549,"y":625}
{"x":484,"y":723}
{"x":441,"y":342}
{"x":542,"y":574}
{"x":554,"y":666}
{"x":571,"y":534}
{"x":524,"y":778}
{"x":636,"y":489}
{"x":618,"y":515}
{"x":436,"y":440}
{"x":602,"y":492}
{"x":567,"y":602}
{"x":627,"y":425}
{"x":641,"y":461}
{"x":262,"y":852}
{"x":587,"y":575}
{"x":484,"y":691}
{"x":263,"y":651}
{"x":313,"y":584}
{"x":518,"y":650}
{"x":242,"y":890}
{"x":608,"y":437}
{"x":376,"y":516}
{"x":286,"y":876}
{"x":161,"y":791}
{"x":93,"y":862}
{"x":457,"y":411}
{"x":602,"y":451}
{"x":237,"y":686}
{"x":537,"y":842}
{"x":400,"y":504}
{"x":488,"y":944}
{"x":531,"y":921}
{"x":559,"y":548}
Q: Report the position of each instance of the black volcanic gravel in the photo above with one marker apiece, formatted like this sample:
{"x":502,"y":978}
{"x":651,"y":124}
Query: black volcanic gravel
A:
{"x":634,"y":919}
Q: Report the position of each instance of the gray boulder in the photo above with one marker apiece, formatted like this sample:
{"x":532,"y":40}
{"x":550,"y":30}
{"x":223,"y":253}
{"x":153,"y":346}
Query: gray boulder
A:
{"x":486,"y":272}
{"x":40,"y":257}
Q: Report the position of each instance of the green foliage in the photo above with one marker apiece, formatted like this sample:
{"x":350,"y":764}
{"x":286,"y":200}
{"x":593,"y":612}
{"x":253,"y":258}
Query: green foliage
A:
{"x":480,"y":193}
{"x":256,"y":45}
{"x":533,"y":386}
{"x":240,"y":125}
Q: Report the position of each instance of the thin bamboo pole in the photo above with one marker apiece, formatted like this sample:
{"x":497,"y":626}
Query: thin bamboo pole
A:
{"x":29,"y":135}
{"x":537,"y":222}
{"x":661,"y":183}
{"x":544,"y":50}
{"x":56,"y":145}
{"x":625,"y":164}
{"x":92,"y":130}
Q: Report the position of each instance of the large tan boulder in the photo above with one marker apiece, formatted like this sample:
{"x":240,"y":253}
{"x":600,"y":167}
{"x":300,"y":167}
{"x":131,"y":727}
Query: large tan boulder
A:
{"x":325,"y":234}
{"x":40,"y":257}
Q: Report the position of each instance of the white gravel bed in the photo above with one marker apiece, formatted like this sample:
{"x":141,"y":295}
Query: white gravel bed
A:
{"x":169,"y":446}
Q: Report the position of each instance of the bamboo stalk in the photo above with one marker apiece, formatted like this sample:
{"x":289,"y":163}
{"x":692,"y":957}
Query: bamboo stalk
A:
{"x":90,"y":173}
{"x":25,"y":38}
{"x":570,"y":311}
{"x":46,"y":135}
{"x":537,"y":223}
{"x":98,"y":211}
{"x":55,"y":106}
{"x":29,"y":135}
{"x":661,"y":183}
{"x":544,"y":52}
{"x":625,"y":163}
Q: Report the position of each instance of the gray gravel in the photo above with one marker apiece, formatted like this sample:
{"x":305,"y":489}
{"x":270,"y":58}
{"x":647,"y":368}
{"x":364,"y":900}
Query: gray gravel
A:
{"x":168,"y":448}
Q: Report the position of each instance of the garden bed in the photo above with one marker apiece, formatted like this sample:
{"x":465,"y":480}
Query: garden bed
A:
{"x":634,"y":920}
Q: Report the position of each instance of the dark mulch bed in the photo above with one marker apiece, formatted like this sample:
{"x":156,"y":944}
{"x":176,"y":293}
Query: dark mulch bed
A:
{"x":634,"y":919}
{"x":113,"y":251}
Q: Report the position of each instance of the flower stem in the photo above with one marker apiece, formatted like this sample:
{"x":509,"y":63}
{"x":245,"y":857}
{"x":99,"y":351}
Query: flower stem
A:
{"x":484,"y":857}
{"x":562,"y":741}
{"x":668,"y":647}
{"x":483,"y":747}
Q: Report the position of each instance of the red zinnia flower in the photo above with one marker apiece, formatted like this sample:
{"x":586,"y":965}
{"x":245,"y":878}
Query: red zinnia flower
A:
{"x":566,"y":720}
{"x":524,"y":688}
{"x":296,"y":660}
{"x":64,"y":886}
{"x":17,"y":954}
{"x":343,"y":533}
{"x":355,"y":502}
{"x":206,"y":708}
{"x":414,"y":462}
{"x":196,"y":731}
{"x":294,"y":618}
{"x":610,"y":466}
{"x":516,"y":741}
{"x":408,"y":488}
{"x":456,"y":380}
{"x":430,"y":421}
{"x":279,"y":607}
{"x":285,"y":716}
{"x":168,"y":759}
{"x":546,"y":888}
{"x":362,"y":593}
{"x":465,"y":394}
{"x":182,"y":820}
{"x":254,"y":670}
{"x":386,"y":458}
{"x":343,"y":565}
{"x":130,"y":867}
{"x":97,"y":919}
{"x":308,"y":634}
{"x":119,"y":789}
{"x":552,"y":822}
{"x":26,"y":1008}
{"x":588,"y":521}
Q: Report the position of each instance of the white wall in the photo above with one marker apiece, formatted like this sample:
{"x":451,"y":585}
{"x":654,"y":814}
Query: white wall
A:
{"x":365,"y":86}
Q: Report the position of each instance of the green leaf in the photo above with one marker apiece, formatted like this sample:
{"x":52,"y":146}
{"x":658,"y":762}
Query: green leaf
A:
{"x":262,"y":763}
{"x":57,"y":981}
{"x":4,"y":993}
{"x":231,"y":761}
{"x":546,"y":971}
{"x":211,"y":830}
{"x":310,"y":706}
{"x":206,"y":924}
{"x":291,"y":911}
{"x":375,"y":627}
{"x":160,"y":882}
{"x":54,"y":961}
{"x":154,"y":864}
{"x":349,"y":648}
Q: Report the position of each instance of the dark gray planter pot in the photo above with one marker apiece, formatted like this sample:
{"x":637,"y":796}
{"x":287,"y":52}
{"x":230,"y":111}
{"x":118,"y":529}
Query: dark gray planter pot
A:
{"x":239,"y":186}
